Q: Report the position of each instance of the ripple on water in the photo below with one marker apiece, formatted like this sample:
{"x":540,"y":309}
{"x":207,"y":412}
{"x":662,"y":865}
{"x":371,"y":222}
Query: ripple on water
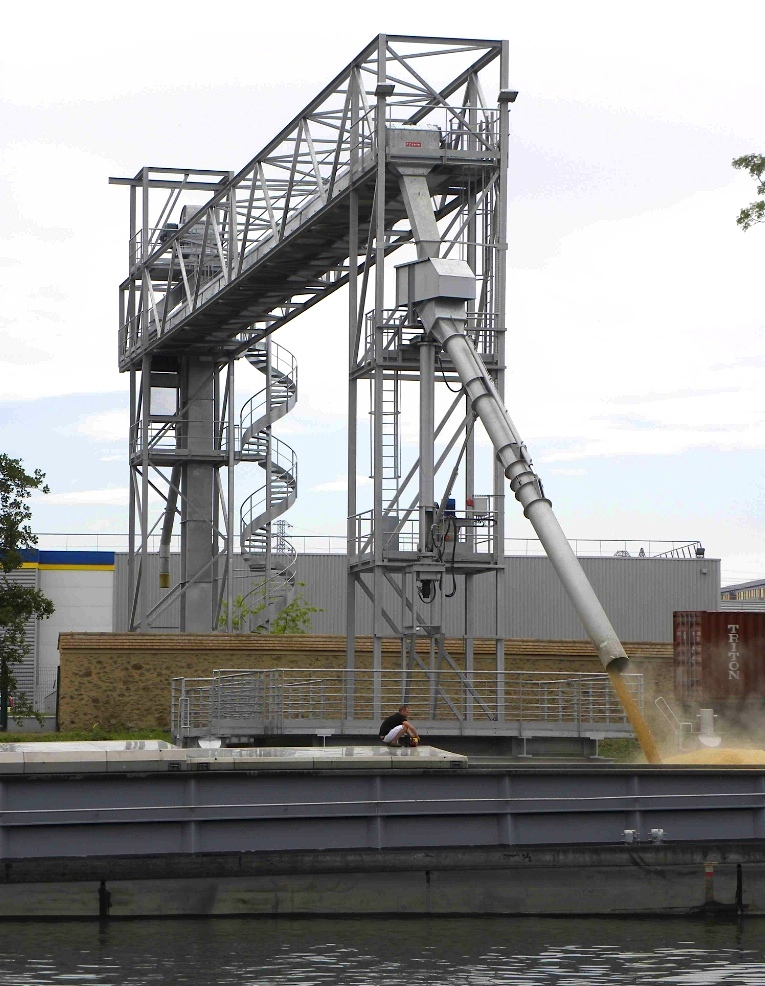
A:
{"x":446,"y":952}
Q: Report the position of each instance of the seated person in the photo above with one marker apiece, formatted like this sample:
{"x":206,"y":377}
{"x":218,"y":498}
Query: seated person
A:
{"x":396,"y":730}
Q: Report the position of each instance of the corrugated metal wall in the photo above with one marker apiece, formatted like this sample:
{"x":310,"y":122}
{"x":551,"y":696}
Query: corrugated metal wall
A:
{"x":639,"y":595}
{"x":742,"y":605}
{"x":25,"y":671}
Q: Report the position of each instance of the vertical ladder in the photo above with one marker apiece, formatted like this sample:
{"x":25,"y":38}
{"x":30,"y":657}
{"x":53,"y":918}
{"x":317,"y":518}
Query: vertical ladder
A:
{"x":391,"y":445}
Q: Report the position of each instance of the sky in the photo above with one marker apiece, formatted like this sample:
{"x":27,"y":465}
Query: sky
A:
{"x":636,"y":334}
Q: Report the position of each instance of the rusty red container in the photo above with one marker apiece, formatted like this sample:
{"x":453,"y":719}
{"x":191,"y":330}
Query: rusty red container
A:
{"x":719,"y":656}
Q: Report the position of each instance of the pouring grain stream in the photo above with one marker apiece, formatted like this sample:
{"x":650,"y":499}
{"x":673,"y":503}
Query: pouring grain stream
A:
{"x":638,"y":723}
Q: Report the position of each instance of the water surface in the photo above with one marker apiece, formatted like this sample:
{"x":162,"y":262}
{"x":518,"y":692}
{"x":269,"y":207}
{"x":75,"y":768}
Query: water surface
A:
{"x":371,"y":951}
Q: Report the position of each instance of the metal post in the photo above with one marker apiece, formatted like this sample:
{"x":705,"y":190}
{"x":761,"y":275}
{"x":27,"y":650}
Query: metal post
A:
{"x":500,"y":302}
{"x":352,"y":504}
{"x":230,"y":499}
{"x":145,"y":416}
{"x":268,"y":574}
{"x":217,"y":492}
{"x":377,"y":409}
{"x":471,"y":254}
{"x":4,"y":692}
{"x":353,"y":390}
{"x":132,"y":438}
{"x":469,"y":640}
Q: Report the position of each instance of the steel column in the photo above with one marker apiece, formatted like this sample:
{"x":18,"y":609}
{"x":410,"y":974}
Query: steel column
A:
{"x":198,"y":489}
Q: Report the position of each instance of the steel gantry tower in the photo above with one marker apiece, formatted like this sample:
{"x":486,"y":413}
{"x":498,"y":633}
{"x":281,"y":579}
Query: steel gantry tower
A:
{"x":405,"y":153}
{"x":414,"y":550}
{"x":186,"y":434}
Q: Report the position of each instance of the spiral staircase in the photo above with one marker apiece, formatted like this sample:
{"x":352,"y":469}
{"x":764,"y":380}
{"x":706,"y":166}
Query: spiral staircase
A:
{"x":270,"y":556}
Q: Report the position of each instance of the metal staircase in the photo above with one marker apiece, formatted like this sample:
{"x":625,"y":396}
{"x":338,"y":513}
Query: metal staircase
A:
{"x":270,"y":556}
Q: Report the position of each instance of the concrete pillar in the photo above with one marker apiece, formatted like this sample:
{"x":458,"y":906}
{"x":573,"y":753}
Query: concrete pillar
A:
{"x":198,"y":490}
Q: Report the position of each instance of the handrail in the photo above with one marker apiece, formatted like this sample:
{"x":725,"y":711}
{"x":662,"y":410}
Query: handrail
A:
{"x":281,"y":695}
{"x":514,"y":547}
{"x":269,"y":554}
{"x":678,"y":726}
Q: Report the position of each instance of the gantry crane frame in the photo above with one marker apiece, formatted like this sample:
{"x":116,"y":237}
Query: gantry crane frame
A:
{"x":402,"y":147}
{"x":288,"y":247}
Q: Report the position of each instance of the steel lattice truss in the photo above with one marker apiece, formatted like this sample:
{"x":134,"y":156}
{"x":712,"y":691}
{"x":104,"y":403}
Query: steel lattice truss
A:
{"x":272,"y":240}
{"x":318,"y":208}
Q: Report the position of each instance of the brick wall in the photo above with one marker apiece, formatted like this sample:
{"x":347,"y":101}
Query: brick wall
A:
{"x":123,"y":679}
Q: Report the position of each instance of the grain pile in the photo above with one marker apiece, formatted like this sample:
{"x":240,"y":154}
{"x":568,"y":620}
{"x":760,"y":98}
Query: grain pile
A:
{"x":719,"y":757}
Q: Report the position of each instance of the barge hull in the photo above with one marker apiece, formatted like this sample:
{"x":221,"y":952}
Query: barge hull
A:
{"x":563,"y":880}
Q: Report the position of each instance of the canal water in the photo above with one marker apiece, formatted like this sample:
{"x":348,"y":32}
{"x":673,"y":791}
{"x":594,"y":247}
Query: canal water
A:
{"x":367,"y":952}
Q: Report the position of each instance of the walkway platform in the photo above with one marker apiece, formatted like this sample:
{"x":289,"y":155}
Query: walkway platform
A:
{"x":242,"y":707}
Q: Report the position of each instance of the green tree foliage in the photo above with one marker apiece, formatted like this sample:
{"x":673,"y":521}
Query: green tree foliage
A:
{"x":755,"y":212}
{"x":240,"y":611}
{"x":16,"y":486}
{"x":294,"y":618}
{"x":18,"y":603}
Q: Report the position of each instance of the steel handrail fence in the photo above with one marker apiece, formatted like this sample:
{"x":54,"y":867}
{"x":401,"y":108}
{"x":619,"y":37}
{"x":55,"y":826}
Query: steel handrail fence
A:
{"x":336,"y":544}
{"x":679,"y":728}
{"x":268,"y":699}
{"x":46,"y":687}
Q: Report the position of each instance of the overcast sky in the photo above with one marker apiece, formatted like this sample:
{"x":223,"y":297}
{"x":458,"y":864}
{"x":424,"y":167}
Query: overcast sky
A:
{"x":636,"y":328}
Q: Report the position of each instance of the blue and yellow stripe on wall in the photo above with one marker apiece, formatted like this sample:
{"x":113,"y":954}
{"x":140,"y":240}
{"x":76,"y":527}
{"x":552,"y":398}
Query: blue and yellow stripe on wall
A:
{"x":69,"y":561}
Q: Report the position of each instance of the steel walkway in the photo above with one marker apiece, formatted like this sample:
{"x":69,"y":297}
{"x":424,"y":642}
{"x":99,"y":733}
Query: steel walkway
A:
{"x":244,"y":706}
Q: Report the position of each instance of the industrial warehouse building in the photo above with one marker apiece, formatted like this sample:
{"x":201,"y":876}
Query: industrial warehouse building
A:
{"x":744,"y":596}
{"x":640,"y":594}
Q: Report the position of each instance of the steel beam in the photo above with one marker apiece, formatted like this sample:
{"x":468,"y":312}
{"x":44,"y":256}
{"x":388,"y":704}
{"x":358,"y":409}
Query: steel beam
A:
{"x":208,"y":807}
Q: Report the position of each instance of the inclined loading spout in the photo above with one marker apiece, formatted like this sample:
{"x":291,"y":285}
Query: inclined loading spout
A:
{"x":439,"y":289}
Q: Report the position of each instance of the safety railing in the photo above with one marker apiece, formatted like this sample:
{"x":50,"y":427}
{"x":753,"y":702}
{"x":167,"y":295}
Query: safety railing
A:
{"x":284,"y":474}
{"x":191,"y":704}
{"x":336,"y":544}
{"x":270,"y":556}
{"x":34,"y":688}
{"x":680,"y":728}
{"x":278,"y":396}
{"x":175,"y":433}
{"x":168,"y":433}
{"x":45,"y":691}
{"x":305,"y":168}
{"x":693,"y":549}
{"x":401,"y":336}
{"x":461,"y":128}
{"x":268,"y":700}
{"x":470,"y":531}
{"x":141,"y":245}
{"x":605,"y":548}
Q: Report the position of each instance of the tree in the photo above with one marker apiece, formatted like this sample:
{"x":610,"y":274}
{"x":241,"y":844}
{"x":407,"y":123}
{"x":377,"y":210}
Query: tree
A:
{"x":241,"y":610}
{"x":294,"y":618}
{"x":755,"y":212}
{"x":18,"y":603}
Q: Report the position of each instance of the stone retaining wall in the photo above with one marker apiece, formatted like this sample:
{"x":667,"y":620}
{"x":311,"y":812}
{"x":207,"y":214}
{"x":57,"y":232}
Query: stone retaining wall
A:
{"x":123,"y":679}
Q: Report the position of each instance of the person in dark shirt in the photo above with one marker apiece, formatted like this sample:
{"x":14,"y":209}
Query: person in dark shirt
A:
{"x":396,"y":730}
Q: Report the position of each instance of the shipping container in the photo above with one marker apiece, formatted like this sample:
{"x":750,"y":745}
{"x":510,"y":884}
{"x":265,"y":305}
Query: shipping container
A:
{"x":687,"y":650}
{"x":719,"y":656}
